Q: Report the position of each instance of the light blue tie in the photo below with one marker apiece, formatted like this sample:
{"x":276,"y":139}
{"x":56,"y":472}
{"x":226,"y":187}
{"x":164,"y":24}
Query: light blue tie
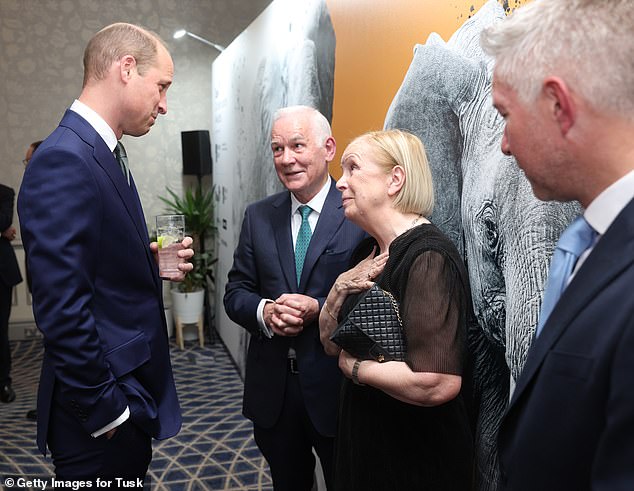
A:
{"x":576,"y":238}
{"x":303,"y":239}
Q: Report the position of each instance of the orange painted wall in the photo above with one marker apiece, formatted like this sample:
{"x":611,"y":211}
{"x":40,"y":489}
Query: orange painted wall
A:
{"x":375,"y":41}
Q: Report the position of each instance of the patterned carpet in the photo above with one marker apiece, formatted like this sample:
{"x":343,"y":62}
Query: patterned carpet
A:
{"x":214,"y":450}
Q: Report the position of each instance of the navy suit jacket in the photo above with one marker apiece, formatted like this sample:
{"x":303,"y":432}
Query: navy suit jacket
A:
{"x":9,"y":269}
{"x":264,"y":267}
{"x":96,"y":291}
{"x":570,"y":423}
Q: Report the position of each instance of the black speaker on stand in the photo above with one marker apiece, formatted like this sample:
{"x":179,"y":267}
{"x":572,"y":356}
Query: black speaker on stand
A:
{"x":196,"y":153}
{"x":197,"y":162}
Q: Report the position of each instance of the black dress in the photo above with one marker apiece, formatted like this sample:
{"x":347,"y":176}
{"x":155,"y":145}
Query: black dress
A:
{"x":385,"y":444}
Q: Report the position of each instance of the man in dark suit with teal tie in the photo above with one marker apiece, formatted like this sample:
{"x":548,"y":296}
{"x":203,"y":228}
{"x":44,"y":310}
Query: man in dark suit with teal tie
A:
{"x":292,"y":247}
{"x":106,"y":387}
{"x":563,"y":79}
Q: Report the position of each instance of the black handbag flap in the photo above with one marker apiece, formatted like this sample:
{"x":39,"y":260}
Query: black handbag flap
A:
{"x":372,"y":329}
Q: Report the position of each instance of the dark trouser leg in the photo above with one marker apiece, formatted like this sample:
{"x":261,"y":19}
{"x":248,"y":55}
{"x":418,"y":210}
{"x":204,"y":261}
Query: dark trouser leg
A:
{"x":324,"y":446}
{"x":5,"y":349}
{"x":78,"y":455}
{"x":287,"y":446}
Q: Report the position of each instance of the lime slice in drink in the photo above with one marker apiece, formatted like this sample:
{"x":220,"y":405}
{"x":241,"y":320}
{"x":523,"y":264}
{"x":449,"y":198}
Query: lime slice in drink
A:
{"x":165,"y":240}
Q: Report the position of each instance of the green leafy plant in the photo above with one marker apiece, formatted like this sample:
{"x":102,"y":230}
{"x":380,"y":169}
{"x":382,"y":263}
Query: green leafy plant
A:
{"x":198,"y":208}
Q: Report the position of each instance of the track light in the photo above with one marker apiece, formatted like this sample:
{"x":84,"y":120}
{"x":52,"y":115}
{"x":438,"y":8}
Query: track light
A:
{"x":182,"y":32}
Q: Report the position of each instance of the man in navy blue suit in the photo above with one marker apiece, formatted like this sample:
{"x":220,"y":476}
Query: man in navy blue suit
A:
{"x":563,"y":82}
{"x":106,"y":386}
{"x":291,"y":385}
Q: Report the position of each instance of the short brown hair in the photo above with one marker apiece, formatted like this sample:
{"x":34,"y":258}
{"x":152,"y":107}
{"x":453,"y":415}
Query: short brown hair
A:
{"x":115,"y":41}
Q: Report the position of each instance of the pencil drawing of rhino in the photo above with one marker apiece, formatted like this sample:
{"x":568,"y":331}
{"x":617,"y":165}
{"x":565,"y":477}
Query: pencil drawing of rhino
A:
{"x":484,"y":203}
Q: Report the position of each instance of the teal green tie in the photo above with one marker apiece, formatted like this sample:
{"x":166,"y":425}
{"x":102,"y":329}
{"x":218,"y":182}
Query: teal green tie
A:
{"x":303,"y":239}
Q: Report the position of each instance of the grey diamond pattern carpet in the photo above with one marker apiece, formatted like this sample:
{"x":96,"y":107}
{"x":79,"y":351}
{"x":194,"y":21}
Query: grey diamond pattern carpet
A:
{"x":214,"y":450}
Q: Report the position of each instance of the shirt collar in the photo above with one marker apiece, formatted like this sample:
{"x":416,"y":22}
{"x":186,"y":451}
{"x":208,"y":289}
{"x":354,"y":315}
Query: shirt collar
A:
{"x":317,"y":203}
{"x":606,"y":207}
{"x":97,"y":122}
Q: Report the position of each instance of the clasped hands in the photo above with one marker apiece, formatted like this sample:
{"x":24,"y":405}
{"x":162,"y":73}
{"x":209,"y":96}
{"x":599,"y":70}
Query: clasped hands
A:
{"x":288,"y":315}
{"x":186,"y":253}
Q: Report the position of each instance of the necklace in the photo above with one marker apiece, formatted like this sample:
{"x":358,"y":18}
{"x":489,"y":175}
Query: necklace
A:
{"x":416,"y":220}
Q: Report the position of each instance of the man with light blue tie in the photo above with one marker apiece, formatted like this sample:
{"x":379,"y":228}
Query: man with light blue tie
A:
{"x":292,"y":247}
{"x":563,"y":82}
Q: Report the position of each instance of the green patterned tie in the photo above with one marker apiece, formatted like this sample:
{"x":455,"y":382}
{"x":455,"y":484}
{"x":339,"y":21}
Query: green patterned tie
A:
{"x":303,"y":239}
{"x":122,"y":158}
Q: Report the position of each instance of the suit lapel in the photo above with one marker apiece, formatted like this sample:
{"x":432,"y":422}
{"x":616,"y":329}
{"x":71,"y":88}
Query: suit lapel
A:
{"x":601,"y":266}
{"x":106,"y":160}
{"x":281,"y":220}
{"x":330,"y":219}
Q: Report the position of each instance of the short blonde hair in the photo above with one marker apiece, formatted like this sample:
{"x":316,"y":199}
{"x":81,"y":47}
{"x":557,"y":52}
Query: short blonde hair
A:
{"x":115,"y":41}
{"x":396,"y":147}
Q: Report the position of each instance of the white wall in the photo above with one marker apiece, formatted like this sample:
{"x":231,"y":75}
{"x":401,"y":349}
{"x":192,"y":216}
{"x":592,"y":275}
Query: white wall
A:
{"x":285,"y":57}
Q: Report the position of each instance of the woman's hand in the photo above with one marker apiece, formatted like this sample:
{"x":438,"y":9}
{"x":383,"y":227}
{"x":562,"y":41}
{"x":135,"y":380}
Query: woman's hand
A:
{"x":360,"y":278}
{"x":354,"y":280}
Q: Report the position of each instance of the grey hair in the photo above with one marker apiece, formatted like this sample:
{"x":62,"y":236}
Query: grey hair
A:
{"x":587,"y":43}
{"x":321,"y":126}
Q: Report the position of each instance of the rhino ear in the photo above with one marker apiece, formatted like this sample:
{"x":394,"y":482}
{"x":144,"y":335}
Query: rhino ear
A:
{"x":434,"y":39}
{"x":466,"y":40}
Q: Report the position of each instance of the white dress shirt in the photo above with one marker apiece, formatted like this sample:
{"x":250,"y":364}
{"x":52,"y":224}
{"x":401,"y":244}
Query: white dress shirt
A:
{"x":605,"y":208}
{"x":317,"y":204}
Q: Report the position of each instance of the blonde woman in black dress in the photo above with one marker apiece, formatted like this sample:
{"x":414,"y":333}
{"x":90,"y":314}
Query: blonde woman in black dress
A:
{"x":402,"y":425}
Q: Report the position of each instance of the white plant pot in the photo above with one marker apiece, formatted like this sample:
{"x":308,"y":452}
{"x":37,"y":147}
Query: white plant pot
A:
{"x":188,"y":307}
{"x":188,"y":313}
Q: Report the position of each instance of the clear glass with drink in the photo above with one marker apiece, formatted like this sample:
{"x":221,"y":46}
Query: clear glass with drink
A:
{"x":170,"y":231}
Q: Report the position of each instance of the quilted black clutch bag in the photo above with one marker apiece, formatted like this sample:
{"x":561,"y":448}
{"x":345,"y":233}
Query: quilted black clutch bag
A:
{"x":373,"y":329}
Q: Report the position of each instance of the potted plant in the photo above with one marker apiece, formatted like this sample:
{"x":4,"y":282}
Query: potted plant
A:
{"x":188,"y":296}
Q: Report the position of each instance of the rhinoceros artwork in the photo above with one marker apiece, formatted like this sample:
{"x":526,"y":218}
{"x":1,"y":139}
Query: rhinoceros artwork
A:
{"x":485,"y":204}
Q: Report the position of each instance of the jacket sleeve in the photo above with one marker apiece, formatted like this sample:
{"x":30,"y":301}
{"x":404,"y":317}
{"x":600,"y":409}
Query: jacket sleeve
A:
{"x":612,"y":468}
{"x":61,"y":214}
{"x":242,"y":296}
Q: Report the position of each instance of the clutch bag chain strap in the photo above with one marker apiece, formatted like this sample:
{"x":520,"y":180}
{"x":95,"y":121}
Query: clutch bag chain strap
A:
{"x":395,"y":305}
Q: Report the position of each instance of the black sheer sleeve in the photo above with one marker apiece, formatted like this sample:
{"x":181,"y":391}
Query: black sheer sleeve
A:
{"x":431,"y":313}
